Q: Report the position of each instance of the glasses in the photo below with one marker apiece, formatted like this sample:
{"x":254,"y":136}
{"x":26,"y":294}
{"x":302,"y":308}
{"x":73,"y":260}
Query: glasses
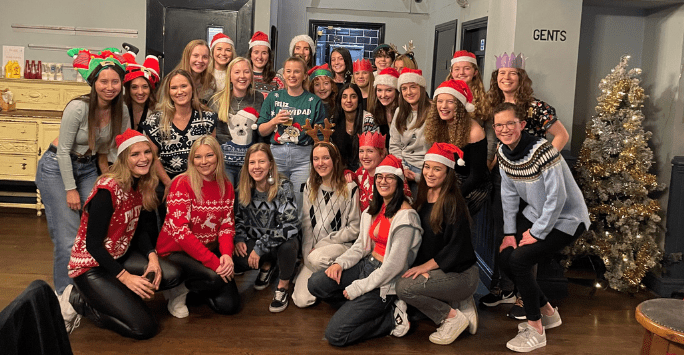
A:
{"x":386,"y":178}
{"x":510,"y":125}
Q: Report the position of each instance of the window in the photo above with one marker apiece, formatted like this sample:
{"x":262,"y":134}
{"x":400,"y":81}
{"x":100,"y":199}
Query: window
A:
{"x":358,"y":37}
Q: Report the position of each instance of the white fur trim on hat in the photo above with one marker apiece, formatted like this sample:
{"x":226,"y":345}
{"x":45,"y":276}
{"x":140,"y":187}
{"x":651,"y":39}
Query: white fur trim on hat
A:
{"x":302,"y":38}
{"x":222,"y":40}
{"x":440,"y":159}
{"x":386,"y":169}
{"x":129,"y":142}
{"x":386,"y":80}
{"x":464,"y":59}
{"x":259,"y":43}
{"x":453,"y":92}
{"x":410,"y":78}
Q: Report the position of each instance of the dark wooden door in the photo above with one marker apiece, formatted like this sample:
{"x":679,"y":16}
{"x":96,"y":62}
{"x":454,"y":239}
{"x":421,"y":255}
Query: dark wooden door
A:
{"x":474,"y":40}
{"x":445,"y":46}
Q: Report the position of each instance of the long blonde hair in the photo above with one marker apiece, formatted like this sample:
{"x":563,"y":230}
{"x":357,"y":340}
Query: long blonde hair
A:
{"x":224,"y":96}
{"x":206,"y":78}
{"x":247,"y":183}
{"x":194,"y":176}
{"x":123,"y":176}
{"x":477,"y":88}
{"x":168,"y":108}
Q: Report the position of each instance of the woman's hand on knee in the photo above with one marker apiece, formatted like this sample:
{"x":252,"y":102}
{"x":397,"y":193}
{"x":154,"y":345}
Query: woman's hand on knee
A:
{"x":73,"y":200}
{"x":253,"y":260}
{"x":334,"y":272}
{"x":153,"y":266}
{"x":226,"y":268}
{"x":508,"y":241}
{"x":240,"y":249}
{"x":138,"y":284}
{"x":527,"y":238}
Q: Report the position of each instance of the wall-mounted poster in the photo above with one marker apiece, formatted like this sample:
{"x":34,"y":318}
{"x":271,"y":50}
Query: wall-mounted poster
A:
{"x":12,"y":53}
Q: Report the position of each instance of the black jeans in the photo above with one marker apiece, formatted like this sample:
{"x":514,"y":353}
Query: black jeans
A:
{"x":285,"y":255}
{"x":518,"y":264}
{"x":102,"y":298}
{"x":222,"y":297}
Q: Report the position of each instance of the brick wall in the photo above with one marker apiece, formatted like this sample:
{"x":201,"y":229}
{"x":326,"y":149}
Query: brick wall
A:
{"x":360,"y":42}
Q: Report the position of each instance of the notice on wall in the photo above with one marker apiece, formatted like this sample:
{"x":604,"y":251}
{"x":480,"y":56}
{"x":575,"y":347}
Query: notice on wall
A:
{"x":13,"y":53}
{"x":549,"y":35}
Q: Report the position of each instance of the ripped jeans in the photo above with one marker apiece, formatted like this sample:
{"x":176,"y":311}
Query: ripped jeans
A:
{"x":436,"y":296}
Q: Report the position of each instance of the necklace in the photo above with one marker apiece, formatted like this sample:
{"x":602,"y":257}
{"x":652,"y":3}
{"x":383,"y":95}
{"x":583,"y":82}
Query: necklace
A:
{"x":239,"y":101}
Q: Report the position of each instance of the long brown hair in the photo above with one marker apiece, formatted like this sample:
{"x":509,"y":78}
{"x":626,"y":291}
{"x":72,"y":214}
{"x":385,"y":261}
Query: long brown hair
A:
{"x":269,"y":73}
{"x":438,"y":130}
{"x":523,"y":96}
{"x":120,"y":172}
{"x":115,"y":116}
{"x":195,"y":178}
{"x":477,"y":88}
{"x":206,"y":78}
{"x":405,"y":111}
{"x":330,"y":100}
{"x":338,"y":181}
{"x":168,"y":108}
{"x":378,"y":110}
{"x":151,"y":100}
{"x":247,"y":183}
{"x":450,"y":205}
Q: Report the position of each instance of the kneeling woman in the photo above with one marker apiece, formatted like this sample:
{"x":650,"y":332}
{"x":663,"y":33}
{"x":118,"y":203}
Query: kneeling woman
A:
{"x":366,"y":273}
{"x":444,"y":277}
{"x":198,"y":231}
{"x":330,"y":218}
{"x":267,"y":223}
{"x":109,"y":290}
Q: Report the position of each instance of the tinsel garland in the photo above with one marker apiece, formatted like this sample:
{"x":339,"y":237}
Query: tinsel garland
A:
{"x":613,"y":174}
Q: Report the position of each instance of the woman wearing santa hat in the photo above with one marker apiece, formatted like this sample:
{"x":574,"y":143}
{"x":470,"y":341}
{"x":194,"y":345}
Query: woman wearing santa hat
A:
{"x":303,"y":46}
{"x":197,"y":235}
{"x":407,"y":139}
{"x":450,"y":121}
{"x":67,"y":171}
{"x":322,"y":85}
{"x":113,"y":262}
{"x":261,"y":55}
{"x":222,"y":52}
{"x":364,"y":277}
{"x":386,"y":99}
{"x":197,"y":61}
{"x":237,"y":96}
{"x":444,"y":275}
{"x":140,"y":84}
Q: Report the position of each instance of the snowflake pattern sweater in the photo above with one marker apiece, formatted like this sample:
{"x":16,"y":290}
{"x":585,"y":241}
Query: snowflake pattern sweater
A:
{"x":124,"y":221}
{"x":194,"y":226}
{"x":269,"y":223}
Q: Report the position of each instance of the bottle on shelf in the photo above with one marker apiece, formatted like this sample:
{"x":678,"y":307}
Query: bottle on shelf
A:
{"x":27,"y":71}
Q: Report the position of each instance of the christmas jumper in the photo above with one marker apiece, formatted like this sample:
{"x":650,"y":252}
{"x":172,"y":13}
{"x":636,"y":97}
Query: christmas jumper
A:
{"x":269,"y":223}
{"x":306,"y":105}
{"x":196,"y":227}
{"x":403,"y":241}
{"x":331,"y":218}
{"x":410,"y":146}
{"x":234,"y":153}
{"x":366,"y":183}
{"x":266,"y":88}
{"x":173,"y":150}
{"x":537,"y":173}
{"x":122,"y":226}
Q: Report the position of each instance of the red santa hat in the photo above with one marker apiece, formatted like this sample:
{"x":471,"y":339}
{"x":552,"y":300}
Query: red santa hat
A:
{"x":372,"y":139}
{"x":362,"y":65}
{"x":221,"y":38}
{"x":259,"y":39}
{"x":445,"y":153}
{"x":302,"y":38}
{"x":127,"y":139}
{"x":387,"y":76}
{"x":458,"y":89}
{"x":409,"y":75}
{"x":391,"y":165}
{"x":250,"y":113}
{"x":464,"y":56}
{"x":149,"y":70}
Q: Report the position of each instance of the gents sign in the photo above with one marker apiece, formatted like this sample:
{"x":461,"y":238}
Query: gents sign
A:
{"x":549,"y":35}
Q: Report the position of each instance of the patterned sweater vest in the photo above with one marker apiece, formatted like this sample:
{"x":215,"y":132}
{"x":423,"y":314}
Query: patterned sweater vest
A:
{"x":122,"y":226}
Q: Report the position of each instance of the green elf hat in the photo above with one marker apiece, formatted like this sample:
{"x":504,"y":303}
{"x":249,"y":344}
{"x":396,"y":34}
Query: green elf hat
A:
{"x":321,"y":70}
{"x":90,"y":64}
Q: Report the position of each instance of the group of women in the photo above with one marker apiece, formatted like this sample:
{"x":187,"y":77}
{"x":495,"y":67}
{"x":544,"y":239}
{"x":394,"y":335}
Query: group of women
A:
{"x":233,"y":166}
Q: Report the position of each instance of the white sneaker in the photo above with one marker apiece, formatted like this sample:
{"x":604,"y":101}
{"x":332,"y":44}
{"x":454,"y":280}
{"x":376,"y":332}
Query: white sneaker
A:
{"x":467,"y":307}
{"x":176,"y":297}
{"x":401,"y":321}
{"x":548,"y":322}
{"x":528,"y":339}
{"x":71,"y":319}
{"x":450,"y":329}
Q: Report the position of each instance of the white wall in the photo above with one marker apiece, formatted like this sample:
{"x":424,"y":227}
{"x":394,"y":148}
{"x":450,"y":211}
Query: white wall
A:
{"x":262,"y":16}
{"x":124,"y":14}
{"x":606,"y":35}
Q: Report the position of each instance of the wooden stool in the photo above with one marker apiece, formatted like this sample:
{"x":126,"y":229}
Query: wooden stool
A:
{"x":663,"y":319}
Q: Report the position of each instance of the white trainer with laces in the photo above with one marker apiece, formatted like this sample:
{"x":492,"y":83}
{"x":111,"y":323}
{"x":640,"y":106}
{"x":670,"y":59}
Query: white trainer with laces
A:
{"x":528,"y":339}
{"x":450,"y":329}
{"x":177,"y":297}
{"x":467,"y":307}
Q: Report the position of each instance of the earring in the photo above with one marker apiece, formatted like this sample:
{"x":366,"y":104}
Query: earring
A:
{"x":270,"y":179}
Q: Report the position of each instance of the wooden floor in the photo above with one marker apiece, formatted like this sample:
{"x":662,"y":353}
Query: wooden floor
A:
{"x":602,"y":324}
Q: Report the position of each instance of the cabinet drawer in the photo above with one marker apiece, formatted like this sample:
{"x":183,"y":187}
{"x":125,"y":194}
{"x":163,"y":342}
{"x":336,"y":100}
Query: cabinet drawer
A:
{"x":16,"y":167}
{"x":18,"y":147}
{"x":32,"y":97}
{"x":26,"y":131}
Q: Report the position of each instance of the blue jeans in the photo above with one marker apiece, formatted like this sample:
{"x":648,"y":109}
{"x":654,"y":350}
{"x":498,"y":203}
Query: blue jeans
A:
{"x":413,"y":185}
{"x":62,"y":221}
{"x":293,"y":161}
{"x":233,"y":173}
{"x":365,"y":317}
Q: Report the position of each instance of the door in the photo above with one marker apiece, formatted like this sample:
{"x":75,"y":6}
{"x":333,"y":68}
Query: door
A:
{"x":171,"y":24}
{"x":445,"y":45}
{"x":474,"y":40}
